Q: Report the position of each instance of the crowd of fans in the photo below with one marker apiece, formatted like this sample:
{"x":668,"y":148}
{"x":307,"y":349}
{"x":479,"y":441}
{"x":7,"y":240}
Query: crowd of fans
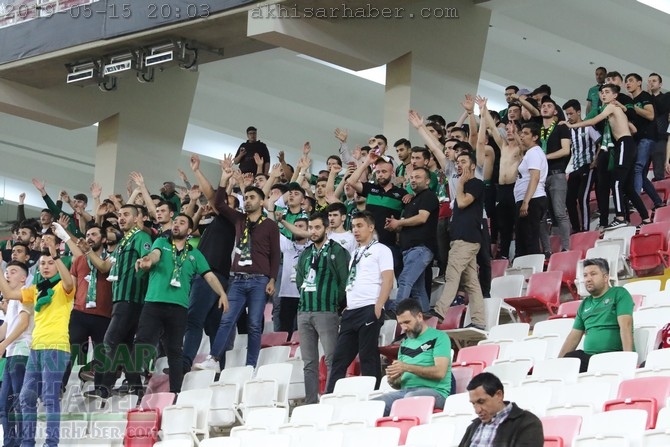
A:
{"x":145,"y":273}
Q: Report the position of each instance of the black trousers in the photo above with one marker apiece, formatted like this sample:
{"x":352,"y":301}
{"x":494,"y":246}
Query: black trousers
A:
{"x":118,"y":343}
{"x":490,"y":207}
{"x":288,"y":312}
{"x":603,"y":187}
{"x":484,"y":262}
{"x":359,"y":334}
{"x":506,"y":211}
{"x":583,"y":358}
{"x":577,"y":198}
{"x":156,"y":319}
{"x":622,"y":179}
{"x":528,"y":228}
{"x":83,"y":326}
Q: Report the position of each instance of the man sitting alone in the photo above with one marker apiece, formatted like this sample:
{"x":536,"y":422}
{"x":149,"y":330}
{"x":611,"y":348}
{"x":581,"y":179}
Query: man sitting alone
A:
{"x":606,"y":316}
{"x":423,"y":367}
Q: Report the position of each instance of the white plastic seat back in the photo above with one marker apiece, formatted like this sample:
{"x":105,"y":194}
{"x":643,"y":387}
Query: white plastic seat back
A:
{"x":458,"y":404}
{"x":511,"y":371}
{"x":270,"y":418}
{"x":508,"y":286}
{"x":368,"y":411}
{"x":377,"y":436}
{"x":387,"y":332}
{"x":198,"y":379}
{"x":601,"y":441}
{"x":272,"y":355}
{"x":429,"y":435}
{"x":534,"y":398}
{"x":644,"y":287}
{"x":536,"y":262}
{"x":458,"y":422}
{"x":509,"y":331}
{"x":236,"y":358}
{"x":566,"y":369}
{"x":629,"y":423}
{"x":318,"y":414}
{"x":620,"y":362}
{"x":360,"y":386}
{"x":533,"y":349}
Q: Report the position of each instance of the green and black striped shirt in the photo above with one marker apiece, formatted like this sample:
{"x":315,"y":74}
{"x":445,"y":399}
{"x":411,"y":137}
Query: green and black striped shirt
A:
{"x":331,"y":265}
{"x":131,"y":286}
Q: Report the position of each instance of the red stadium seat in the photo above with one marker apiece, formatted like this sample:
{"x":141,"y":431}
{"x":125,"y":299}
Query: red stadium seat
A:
{"x":477,"y":357}
{"x":498,"y":267}
{"x":560,"y":430}
{"x":145,"y":422}
{"x":462,"y":376}
{"x":584,"y":240}
{"x":662,"y":214}
{"x":454,"y":318}
{"x":407,"y":413}
{"x":644,"y":393}
{"x":567,"y":310}
{"x":648,"y":252}
{"x":543,"y":293}
{"x":274,"y":339}
{"x":566,"y":262}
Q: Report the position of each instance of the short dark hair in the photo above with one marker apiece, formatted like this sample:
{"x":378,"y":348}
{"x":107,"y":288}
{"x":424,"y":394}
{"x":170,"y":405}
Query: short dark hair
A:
{"x":167,"y":203}
{"x":336,"y":158}
{"x":425,"y":153}
{"x":615,"y":88}
{"x":514,"y":104}
{"x":436,"y":119}
{"x":251,"y":129}
{"x":544,"y":88}
{"x":81,"y":197}
{"x":495,"y":115}
{"x":261,"y":174}
{"x":320,"y":216}
{"x":49,"y":232}
{"x":383,"y":138}
{"x":402,"y":142}
{"x":614,"y":74}
{"x":21,"y":244}
{"x":366,"y":215}
{"x":635,"y":76}
{"x":512,"y":87}
{"x":438,"y":128}
{"x":450,"y":124}
{"x":280,"y":186}
{"x":236,"y":201}
{"x":601,"y":263}
{"x":130,"y":206}
{"x":574,"y":104}
{"x":424,"y":169}
{"x":156,"y":197}
{"x":47,"y":210}
{"x":21,"y":265}
{"x":337,"y":207}
{"x":602,"y":68}
{"x":95,"y":225}
{"x":255,"y":189}
{"x":301,"y":219}
{"x":660,"y":79}
{"x":459,"y":129}
{"x":490,"y":382}
{"x":312,"y":202}
{"x":463,"y":146}
{"x":533,"y":127}
{"x":188,"y":218}
{"x":408,"y":305}
{"x":470,"y":154}
{"x":28,"y":226}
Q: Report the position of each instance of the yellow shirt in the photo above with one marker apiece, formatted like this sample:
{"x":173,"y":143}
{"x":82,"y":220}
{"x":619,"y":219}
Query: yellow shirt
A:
{"x":52,"y":322}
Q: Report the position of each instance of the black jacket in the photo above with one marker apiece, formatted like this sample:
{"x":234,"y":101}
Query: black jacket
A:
{"x":521,"y":429}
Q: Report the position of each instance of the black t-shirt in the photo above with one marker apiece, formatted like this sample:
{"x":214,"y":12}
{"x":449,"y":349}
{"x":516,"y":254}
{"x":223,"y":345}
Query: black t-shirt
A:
{"x":383,"y":204}
{"x":466,"y":223}
{"x":247,"y":164}
{"x":423,"y":234}
{"x":662,"y":108}
{"x":217,"y":243}
{"x":645,"y":128}
{"x":560,"y":132}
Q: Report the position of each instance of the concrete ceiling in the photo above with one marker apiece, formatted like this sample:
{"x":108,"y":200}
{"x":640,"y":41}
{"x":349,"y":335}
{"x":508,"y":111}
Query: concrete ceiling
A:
{"x":292,"y":100}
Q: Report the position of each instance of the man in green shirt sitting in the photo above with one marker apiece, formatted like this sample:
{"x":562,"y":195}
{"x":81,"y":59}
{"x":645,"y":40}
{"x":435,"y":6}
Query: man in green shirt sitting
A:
{"x":606,"y":316}
{"x":423,"y":367}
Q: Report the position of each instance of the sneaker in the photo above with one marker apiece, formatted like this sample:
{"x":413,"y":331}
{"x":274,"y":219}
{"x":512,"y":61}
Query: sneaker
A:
{"x":433,"y":313}
{"x":209,"y":363}
{"x":616,"y":224}
{"x":643,"y":223}
{"x":97,"y":393}
{"x":475,"y":326}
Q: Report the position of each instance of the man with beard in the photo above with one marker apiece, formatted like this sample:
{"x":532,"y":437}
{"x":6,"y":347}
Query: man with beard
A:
{"x":78,"y":205}
{"x":255,"y":267}
{"x":383,"y":200}
{"x":128,"y":291}
{"x":606,"y":316}
{"x":173,"y":264}
{"x":423,"y":367}
{"x":93,"y":297}
{"x":321,"y":277}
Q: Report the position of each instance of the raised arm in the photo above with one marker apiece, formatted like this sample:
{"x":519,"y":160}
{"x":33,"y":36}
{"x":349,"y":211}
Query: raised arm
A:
{"x":275,"y":174}
{"x":433,"y":143}
{"x":345,"y":153}
{"x":488,"y":120}
{"x":354,"y":180}
{"x":205,"y":186}
{"x":21,"y":209}
{"x":139,"y":181}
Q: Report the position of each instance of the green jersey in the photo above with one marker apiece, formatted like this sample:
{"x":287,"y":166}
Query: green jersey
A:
{"x":321,"y":277}
{"x":290,"y":218}
{"x":130,"y":285}
{"x":433,"y":186}
{"x":422,"y":351}
{"x":598,"y":318}
{"x":593,"y":96}
{"x":170,"y":278}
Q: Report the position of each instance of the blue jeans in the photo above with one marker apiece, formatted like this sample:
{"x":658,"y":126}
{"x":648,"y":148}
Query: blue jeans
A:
{"x":246,"y":292}
{"x":10,"y":414}
{"x":645,"y":147}
{"x":411,"y":282}
{"x":44,"y":375}
{"x":389,"y":398}
{"x":202,"y":301}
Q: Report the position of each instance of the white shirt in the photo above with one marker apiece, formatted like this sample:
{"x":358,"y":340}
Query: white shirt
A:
{"x":374,"y":260}
{"x":291,"y":252}
{"x":346,"y":240}
{"x":20,"y":346}
{"x":534,"y":158}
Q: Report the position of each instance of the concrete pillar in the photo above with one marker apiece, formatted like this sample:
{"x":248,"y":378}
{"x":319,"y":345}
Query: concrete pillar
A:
{"x":433,"y":52}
